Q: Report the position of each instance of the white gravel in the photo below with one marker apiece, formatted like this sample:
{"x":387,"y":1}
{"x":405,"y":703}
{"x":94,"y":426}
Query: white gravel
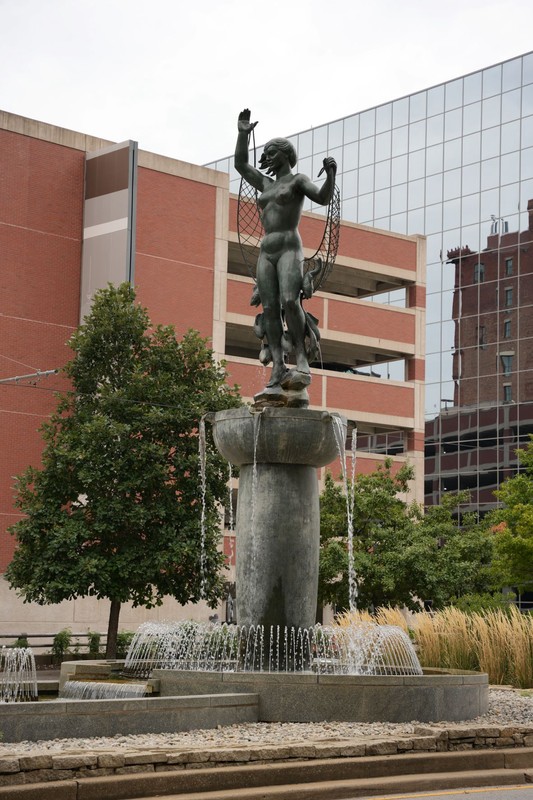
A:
{"x":507,"y":707}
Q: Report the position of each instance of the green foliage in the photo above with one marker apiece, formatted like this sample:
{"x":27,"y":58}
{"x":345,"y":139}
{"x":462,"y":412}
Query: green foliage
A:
{"x":124,"y":639}
{"x":401,"y":556}
{"x":460,"y":554}
{"x":94,"y":638}
{"x":480,"y":603}
{"x":20,"y":641}
{"x":512,"y":526}
{"x":114,"y":512}
{"x":61,"y":643}
{"x":381,"y":540}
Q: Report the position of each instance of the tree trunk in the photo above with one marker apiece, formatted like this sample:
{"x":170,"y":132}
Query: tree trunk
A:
{"x":112,"y":630}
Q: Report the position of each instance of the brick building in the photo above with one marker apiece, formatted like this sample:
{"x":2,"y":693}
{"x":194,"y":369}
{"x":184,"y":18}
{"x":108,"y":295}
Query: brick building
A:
{"x":77,"y":212}
{"x":471,"y":444}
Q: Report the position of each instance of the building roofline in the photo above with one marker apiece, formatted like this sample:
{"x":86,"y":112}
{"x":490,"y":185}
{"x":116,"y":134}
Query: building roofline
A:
{"x":87,"y":143}
{"x":403,"y":96}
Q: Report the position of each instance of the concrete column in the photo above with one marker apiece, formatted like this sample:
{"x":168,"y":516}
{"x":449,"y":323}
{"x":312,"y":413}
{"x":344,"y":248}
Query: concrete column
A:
{"x":278,"y":519}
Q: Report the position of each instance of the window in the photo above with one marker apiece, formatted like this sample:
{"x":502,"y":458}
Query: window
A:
{"x":479,"y":273}
{"x":507,"y":364}
{"x":508,"y":297}
{"x":507,"y":329}
{"x":508,"y":266}
{"x":507,"y":393}
{"x":482,"y":337}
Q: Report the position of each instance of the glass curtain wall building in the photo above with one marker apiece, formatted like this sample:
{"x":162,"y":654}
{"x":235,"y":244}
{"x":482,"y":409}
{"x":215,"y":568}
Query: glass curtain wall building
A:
{"x":453,"y":162}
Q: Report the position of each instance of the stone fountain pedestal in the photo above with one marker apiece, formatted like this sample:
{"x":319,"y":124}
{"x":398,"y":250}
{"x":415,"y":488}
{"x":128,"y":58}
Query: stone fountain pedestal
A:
{"x":278,"y":451}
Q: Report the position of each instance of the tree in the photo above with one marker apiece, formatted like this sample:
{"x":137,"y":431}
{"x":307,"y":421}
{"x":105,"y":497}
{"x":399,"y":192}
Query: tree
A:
{"x":401,"y":556}
{"x":462,"y":564}
{"x":115,"y":509}
{"x":512,"y":526}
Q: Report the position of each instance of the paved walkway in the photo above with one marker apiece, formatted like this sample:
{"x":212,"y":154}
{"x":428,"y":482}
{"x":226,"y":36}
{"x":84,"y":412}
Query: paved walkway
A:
{"x":494,"y":793}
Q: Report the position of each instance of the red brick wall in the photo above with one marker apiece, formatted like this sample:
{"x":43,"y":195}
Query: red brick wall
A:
{"x":374,"y":397}
{"x":379,"y":248}
{"x":365,"y":464}
{"x":367,"y":319}
{"x":41,"y":206}
{"x":175,"y":250}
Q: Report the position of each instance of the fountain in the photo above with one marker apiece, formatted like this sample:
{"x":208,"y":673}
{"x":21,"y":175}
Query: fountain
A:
{"x":18,"y":677}
{"x":363,"y":649}
{"x":300,"y":671}
{"x":275,"y":664}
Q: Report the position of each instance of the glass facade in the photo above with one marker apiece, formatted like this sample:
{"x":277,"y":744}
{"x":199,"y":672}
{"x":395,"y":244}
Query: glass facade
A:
{"x":454,"y":162}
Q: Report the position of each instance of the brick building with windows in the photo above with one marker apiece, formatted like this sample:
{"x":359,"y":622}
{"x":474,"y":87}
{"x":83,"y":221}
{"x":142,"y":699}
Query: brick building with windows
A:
{"x":471,"y":445}
{"x":77,"y":212}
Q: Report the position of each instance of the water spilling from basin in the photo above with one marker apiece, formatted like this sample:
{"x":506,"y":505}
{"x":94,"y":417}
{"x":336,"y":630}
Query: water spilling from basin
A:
{"x":98,"y":690}
{"x":18,"y":676}
{"x":362,"y":649}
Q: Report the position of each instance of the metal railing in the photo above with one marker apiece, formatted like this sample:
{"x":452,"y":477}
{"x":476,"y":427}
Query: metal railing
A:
{"x":79,"y":642}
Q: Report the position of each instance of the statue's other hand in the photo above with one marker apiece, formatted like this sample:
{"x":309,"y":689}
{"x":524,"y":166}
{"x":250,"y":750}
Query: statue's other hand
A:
{"x":244,"y":125}
{"x":255,"y":299}
{"x":328,"y":165}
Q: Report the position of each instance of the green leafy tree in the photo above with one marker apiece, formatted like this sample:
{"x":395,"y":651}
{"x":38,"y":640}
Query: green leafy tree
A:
{"x":115,"y":509}
{"x":381,"y":531}
{"x":512,"y":526}
{"x":401,"y":556}
{"x":461,"y":565}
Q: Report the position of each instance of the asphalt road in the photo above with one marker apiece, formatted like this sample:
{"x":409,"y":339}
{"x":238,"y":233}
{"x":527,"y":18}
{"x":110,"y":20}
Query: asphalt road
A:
{"x":493,"y":793}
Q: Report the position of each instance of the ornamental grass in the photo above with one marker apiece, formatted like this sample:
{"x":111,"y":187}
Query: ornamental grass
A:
{"x":498,"y":642}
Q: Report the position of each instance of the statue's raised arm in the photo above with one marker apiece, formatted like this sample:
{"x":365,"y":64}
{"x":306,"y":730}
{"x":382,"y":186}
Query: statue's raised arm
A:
{"x":242,"y":164}
{"x":287,"y":332}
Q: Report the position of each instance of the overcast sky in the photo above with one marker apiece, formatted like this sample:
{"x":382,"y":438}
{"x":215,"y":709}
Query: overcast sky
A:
{"x":174,"y":74}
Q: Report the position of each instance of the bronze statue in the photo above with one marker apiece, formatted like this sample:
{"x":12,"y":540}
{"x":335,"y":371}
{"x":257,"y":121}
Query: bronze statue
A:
{"x":281,"y":284}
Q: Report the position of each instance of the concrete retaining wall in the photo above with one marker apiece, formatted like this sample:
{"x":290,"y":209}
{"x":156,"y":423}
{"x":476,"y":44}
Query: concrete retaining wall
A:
{"x":81,"y":718}
{"x":307,"y":697}
{"x":117,"y":773}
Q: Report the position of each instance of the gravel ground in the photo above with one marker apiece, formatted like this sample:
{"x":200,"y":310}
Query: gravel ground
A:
{"x":506,"y":707}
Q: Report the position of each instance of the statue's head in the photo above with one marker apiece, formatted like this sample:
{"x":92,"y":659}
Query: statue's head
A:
{"x":282,"y":146}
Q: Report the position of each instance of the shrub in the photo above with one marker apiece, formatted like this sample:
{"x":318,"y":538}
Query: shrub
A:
{"x":94,"y":643}
{"x":124,"y":639}
{"x":471,"y":603}
{"x":61,"y":644}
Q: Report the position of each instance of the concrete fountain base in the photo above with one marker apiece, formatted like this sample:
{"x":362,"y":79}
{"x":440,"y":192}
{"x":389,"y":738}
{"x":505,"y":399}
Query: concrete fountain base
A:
{"x":437,"y":695}
{"x":192,"y":700}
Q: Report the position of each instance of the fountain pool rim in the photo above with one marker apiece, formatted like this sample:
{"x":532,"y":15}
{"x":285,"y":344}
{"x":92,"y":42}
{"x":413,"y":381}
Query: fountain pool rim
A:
{"x":436,"y":695}
{"x":213,"y":700}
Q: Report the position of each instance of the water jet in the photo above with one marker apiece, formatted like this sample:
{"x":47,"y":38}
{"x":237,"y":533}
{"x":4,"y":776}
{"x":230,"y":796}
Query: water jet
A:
{"x":18,"y":676}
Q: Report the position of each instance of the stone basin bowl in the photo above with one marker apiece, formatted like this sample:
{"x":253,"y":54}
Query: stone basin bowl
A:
{"x":281,"y":435}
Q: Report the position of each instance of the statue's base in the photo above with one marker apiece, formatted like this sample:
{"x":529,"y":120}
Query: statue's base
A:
{"x":278,"y":451}
{"x":276,"y":397}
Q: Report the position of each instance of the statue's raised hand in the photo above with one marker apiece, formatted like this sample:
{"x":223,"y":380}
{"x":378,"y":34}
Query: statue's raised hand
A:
{"x":244,"y":125}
